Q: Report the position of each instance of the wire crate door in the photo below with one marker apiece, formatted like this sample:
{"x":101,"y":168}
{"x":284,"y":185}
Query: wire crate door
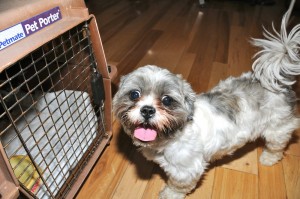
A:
{"x":52,"y":113}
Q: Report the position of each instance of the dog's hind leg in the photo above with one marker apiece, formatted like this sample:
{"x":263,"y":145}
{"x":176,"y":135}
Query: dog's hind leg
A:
{"x":271,"y":154}
{"x":276,"y":141}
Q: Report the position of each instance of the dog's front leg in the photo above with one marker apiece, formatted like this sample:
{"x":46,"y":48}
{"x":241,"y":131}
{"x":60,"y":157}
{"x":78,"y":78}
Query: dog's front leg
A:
{"x":176,"y":190}
{"x":178,"y":186}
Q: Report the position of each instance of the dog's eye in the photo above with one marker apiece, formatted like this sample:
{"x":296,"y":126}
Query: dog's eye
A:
{"x":167,"y":100}
{"x":135,"y":94}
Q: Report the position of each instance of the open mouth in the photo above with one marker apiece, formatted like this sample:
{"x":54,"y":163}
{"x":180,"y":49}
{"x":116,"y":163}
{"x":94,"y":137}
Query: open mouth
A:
{"x":145,"y":133}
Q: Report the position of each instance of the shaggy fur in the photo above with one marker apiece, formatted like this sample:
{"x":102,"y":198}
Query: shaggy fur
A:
{"x":183,"y":132}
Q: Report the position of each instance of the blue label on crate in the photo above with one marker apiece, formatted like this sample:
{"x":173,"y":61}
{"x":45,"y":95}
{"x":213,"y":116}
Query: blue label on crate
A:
{"x":19,"y":31}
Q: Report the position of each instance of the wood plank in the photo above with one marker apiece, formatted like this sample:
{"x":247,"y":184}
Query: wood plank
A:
{"x":155,"y":184}
{"x":219,"y":72}
{"x":234,"y":184}
{"x":244,"y":160}
{"x":202,"y":66}
{"x":168,"y":50}
{"x":158,"y":181}
{"x":187,"y":59}
{"x":291,"y":167}
{"x":294,"y":145}
{"x":167,"y":18}
{"x":108,"y":169}
{"x":185,"y":64}
{"x":239,"y":57}
{"x":208,"y":23}
{"x":107,"y":14}
{"x":223,"y":32}
{"x":136,"y":175}
{"x":138,"y":51}
{"x":271,"y":183}
{"x":204,"y":189}
{"x":133,"y":30}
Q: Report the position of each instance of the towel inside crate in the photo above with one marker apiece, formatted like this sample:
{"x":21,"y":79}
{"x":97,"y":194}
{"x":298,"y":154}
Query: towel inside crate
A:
{"x":57,"y":132}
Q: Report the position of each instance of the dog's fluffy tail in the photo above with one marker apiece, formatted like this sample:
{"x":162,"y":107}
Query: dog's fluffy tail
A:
{"x":279,"y":60}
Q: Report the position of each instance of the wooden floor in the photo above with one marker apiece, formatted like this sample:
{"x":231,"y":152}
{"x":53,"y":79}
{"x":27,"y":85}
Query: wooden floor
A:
{"x":204,"y":45}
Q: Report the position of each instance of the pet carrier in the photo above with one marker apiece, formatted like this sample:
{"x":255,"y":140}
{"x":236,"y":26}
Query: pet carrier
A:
{"x":55,"y":92}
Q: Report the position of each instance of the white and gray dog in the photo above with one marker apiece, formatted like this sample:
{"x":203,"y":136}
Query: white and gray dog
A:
{"x":183,"y":132}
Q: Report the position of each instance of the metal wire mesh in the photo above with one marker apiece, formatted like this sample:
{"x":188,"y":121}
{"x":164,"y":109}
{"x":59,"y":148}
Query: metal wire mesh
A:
{"x":49,"y":125}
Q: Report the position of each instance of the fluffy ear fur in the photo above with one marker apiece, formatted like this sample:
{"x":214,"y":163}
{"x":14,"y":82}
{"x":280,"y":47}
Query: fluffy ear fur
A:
{"x":190,"y":96}
{"x":122,"y":81}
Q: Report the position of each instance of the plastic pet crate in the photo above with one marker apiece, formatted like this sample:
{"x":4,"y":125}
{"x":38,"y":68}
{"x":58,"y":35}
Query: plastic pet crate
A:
{"x":55,"y":94}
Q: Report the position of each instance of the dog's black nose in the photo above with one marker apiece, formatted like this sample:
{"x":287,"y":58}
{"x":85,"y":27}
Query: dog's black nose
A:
{"x":147,"y":112}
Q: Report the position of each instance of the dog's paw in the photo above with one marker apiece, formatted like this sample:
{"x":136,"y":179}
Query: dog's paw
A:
{"x":268,"y":158}
{"x":168,"y":193}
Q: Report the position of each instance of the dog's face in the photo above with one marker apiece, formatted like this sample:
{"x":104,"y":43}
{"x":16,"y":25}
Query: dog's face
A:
{"x":152,"y":104}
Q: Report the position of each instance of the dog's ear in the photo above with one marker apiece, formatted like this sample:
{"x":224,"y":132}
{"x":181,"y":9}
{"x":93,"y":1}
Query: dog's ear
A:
{"x":122,"y":80}
{"x":189,"y":97}
{"x":179,"y":76}
{"x":118,"y":94}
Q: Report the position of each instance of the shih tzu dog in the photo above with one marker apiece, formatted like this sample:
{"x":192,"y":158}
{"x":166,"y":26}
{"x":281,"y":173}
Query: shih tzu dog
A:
{"x":184,"y":132}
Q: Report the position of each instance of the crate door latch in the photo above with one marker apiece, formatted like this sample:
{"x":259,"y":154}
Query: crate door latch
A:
{"x":98,"y":89}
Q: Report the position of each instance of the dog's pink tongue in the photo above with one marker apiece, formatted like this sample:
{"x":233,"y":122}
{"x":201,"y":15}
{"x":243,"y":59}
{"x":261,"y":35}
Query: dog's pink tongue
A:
{"x":145,"y":135}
